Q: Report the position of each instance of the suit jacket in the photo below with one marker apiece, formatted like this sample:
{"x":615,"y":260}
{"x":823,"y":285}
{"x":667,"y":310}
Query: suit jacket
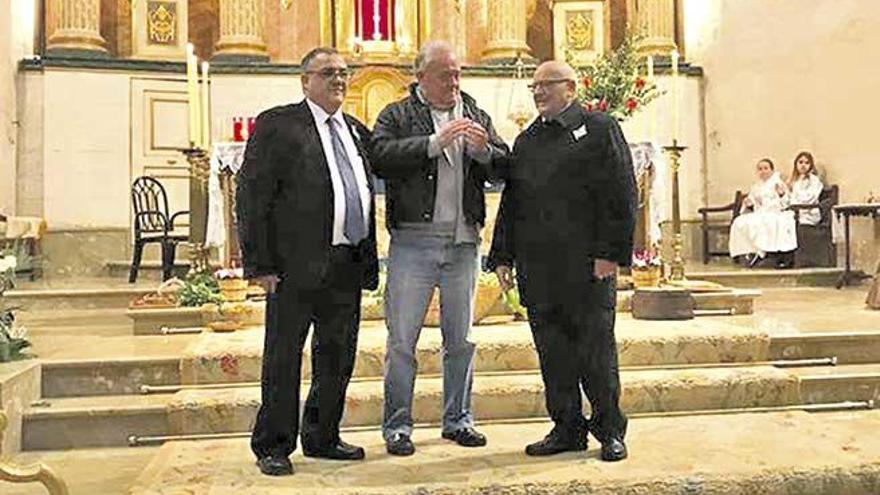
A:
{"x":569,"y":198}
{"x":284,"y":200}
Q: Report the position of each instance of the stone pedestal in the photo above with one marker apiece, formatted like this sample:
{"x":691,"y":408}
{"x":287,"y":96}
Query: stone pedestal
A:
{"x":655,"y":19}
{"x":241,"y":31}
{"x":74,"y":28}
{"x":507,"y":32}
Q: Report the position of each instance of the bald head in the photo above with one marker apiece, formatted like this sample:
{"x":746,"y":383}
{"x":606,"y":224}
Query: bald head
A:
{"x":554,"y":69}
{"x":553,"y":87}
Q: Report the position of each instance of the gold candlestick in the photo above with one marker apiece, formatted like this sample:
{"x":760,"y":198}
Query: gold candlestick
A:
{"x":199,"y":171}
{"x":676,"y":267}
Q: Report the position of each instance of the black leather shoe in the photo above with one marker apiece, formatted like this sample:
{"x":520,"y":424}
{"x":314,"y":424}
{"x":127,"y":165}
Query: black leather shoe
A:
{"x":342,"y":451}
{"x":555,"y":442}
{"x":400,"y":444}
{"x":271,"y":465}
{"x":614,"y":450}
{"x":466,"y":437}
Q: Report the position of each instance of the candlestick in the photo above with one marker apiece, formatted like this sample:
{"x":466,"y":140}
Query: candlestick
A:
{"x":206,"y":108}
{"x":192,"y":79}
{"x":675,"y":116}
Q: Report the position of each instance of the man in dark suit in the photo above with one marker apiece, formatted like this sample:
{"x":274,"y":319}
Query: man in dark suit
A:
{"x":566,"y":223}
{"x":305,"y":214}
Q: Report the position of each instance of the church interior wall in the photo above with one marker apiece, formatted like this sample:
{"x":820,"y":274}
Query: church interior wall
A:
{"x":792,"y":78}
{"x":7,"y":109}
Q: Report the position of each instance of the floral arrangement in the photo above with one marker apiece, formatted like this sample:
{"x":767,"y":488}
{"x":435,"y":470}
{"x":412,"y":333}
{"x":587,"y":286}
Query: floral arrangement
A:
{"x":645,"y":258}
{"x":614,"y":85}
{"x":13,"y":338}
{"x":229,"y":274}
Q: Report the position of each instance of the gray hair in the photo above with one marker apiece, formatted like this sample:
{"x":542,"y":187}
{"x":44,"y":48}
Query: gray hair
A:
{"x":430,"y":51}
{"x":314,"y":53}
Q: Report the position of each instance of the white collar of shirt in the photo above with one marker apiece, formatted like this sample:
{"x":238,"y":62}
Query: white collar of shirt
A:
{"x":321,"y":115}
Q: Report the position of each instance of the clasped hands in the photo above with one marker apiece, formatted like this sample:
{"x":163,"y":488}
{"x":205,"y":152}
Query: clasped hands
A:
{"x":475,"y":136}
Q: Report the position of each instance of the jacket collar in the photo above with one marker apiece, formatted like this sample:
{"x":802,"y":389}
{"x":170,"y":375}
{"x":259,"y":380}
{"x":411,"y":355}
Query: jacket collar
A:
{"x":569,"y":118}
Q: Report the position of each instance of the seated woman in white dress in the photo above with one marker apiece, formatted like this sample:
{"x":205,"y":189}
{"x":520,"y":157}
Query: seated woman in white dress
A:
{"x":763,"y":225}
{"x":805,"y":187}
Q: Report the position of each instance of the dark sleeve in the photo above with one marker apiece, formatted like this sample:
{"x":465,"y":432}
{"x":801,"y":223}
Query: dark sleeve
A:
{"x":502,"y":251}
{"x":395,"y":154}
{"x":254,"y":201}
{"x":499,"y":160}
{"x":616,"y":209}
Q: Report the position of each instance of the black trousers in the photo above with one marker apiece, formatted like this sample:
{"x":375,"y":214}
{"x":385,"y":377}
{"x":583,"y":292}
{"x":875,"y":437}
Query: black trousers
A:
{"x":574,"y":337}
{"x":334,"y":310}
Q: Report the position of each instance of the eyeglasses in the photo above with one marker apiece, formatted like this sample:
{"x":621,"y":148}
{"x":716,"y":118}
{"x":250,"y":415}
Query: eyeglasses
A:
{"x":546,"y":83}
{"x":330,"y":73}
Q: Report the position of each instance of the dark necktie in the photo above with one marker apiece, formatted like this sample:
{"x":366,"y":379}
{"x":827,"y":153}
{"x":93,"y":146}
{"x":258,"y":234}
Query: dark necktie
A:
{"x":354,"y":227}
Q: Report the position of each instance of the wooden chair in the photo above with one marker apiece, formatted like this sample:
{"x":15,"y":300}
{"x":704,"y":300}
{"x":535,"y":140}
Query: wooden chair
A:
{"x":152,"y":224}
{"x":815,"y":245}
{"x":717,"y":225}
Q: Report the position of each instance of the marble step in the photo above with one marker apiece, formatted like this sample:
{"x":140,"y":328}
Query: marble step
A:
{"x":769,"y":454}
{"x":796,"y":277}
{"x":236,"y":357}
{"x":110,"y":420}
{"x":76,"y":298}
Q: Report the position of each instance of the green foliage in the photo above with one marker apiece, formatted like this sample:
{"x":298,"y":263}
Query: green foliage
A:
{"x":614,"y":84}
{"x":13,"y":338}
{"x":199,"y":289}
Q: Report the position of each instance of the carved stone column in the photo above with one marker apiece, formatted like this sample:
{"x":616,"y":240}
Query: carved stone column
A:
{"x":507,"y":31}
{"x":656,"y":20}
{"x":241,"y":31}
{"x":75,"y":28}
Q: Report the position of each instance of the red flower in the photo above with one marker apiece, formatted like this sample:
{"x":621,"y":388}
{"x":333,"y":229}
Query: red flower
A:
{"x":229,"y":364}
{"x":586,"y":82}
{"x":631,"y":104}
{"x":640,"y":83}
{"x":603,"y":106}
{"x":588,"y":107}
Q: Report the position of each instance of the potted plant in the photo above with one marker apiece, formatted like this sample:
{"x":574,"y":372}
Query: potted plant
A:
{"x":646,"y":268}
{"x":233,"y":286}
{"x":13,"y":338}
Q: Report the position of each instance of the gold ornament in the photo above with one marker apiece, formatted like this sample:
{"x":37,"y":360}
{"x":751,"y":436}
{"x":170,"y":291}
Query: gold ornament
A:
{"x":162,"y":23}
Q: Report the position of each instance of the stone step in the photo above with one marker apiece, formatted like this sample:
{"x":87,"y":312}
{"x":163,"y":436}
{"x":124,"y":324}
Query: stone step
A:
{"x":72,"y":298}
{"x":796,"y":277}
{"x":771,"y":454}
{"x":236,"y":357}
{"x":847,"y":347}
{"x":110,"y":420}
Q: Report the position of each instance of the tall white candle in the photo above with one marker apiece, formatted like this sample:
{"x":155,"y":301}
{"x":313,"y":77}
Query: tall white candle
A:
{"x":205,"y":106}
{"x":675,"y":116}
{"x":652,"y":117}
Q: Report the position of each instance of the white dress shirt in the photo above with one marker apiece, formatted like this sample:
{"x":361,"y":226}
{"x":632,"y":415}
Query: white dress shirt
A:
{"x":357,"y":165}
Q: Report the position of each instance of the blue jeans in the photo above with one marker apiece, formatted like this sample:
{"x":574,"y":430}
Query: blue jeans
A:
{"x":417,"y":263}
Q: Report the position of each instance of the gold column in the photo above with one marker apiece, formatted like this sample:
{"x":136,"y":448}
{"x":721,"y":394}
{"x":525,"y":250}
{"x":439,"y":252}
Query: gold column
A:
{"x":75,"y":27}
{"x":406,"y":33}
{"x":507,"y":31}
{"x":241,"y":31}
{"x":655,"y":19}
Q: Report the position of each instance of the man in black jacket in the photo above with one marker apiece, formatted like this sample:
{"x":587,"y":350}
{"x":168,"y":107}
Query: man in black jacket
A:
{"x":305,"y":214}
{"x":566,"y":223}
{"x":435,"y":149}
